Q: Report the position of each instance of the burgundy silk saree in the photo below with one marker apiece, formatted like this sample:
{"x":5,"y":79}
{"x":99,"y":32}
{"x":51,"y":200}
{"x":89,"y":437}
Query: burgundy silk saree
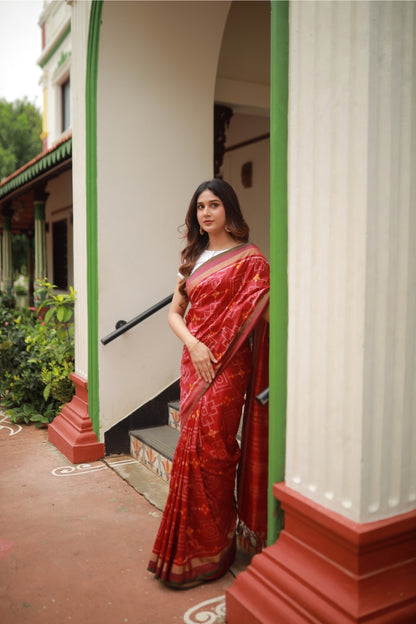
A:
{"x":196,"y":538}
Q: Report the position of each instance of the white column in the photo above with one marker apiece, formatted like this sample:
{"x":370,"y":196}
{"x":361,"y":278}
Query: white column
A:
{"x":39,"y":242}
{"x":79,"y":33}
{"x":351,"y":405}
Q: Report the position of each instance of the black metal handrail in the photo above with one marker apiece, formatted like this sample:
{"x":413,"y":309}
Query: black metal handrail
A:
{"x":263,"y":397}
{"x":123,"y":326}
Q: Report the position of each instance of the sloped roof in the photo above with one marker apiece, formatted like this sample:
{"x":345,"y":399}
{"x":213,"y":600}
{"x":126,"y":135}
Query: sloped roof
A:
{"x":42,"y":164}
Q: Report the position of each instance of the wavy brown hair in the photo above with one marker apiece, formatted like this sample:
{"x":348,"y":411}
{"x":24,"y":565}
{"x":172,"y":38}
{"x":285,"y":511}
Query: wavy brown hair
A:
{"x":196,"y":243}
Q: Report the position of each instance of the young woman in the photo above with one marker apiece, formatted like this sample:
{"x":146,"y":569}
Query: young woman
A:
{"x":224,"y":281}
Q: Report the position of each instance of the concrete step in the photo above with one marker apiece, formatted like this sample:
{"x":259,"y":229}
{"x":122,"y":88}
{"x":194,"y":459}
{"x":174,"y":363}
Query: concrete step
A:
{"x":154,"y":447}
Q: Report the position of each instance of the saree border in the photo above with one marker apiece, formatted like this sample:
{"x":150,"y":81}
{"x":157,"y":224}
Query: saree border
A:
{"x":221,"y":261}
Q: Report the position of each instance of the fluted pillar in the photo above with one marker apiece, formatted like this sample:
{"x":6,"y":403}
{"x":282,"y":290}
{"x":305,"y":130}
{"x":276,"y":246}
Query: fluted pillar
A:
{"x":352,"y":280}
{"x":347,"y":552}
{"x":7,"y":261}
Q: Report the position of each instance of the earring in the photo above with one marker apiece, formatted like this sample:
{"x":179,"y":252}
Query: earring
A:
{"x":227,"y":229}
{"x":201,"y":231}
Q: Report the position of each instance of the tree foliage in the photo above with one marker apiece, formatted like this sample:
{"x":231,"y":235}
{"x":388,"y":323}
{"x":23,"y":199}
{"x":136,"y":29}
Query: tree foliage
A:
{"x":20,"y":129}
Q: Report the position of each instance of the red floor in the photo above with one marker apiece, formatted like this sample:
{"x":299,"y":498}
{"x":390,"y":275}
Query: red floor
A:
{"x":74,"y":544}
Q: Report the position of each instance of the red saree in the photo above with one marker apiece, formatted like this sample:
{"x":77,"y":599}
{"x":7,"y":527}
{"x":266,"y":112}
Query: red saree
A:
{"x":196,"y":538}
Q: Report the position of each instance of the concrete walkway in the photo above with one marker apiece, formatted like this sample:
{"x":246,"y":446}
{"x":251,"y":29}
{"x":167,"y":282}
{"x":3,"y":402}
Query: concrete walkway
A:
{"x":75,"y":541}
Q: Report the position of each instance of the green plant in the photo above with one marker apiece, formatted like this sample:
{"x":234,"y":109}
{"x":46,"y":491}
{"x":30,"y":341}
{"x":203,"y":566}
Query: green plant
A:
{"x":14,"y":327}
{"x":37,"y":357}
{"x":20,"y":289}
{"x":60,"y":307}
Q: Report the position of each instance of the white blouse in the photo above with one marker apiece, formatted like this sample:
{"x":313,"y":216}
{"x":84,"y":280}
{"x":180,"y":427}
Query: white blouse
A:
{"x":207,"y":254}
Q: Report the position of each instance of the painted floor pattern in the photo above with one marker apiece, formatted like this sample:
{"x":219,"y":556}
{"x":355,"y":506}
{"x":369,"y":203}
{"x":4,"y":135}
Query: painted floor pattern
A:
{"x":75,"y":540}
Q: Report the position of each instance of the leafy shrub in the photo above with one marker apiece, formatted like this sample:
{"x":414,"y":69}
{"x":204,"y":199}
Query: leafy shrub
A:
{"x":37,"y":356}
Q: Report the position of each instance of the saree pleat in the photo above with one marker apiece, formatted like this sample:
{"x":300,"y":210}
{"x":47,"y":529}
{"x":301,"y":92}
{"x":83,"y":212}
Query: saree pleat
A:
{"x":253,"y":467}
{"x":196,"y":540}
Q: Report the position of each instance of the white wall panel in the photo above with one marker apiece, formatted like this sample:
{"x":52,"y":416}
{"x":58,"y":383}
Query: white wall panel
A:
{"x":79,"y":31}
{"x":156,"y":84}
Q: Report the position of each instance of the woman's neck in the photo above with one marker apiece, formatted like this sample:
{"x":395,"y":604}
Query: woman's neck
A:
{"x":221,"y":242}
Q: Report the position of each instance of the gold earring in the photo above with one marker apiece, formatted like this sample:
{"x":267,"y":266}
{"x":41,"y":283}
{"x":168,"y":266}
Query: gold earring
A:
{"x":227,"y":229}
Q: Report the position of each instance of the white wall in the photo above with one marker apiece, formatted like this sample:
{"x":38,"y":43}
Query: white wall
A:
{"x":243,"y":79}
{"x":156,"y":83}
{"x":351,"y":406}
{"x":243,"y":84}
{"x":59,"y":207}
{"x":254,"y":200}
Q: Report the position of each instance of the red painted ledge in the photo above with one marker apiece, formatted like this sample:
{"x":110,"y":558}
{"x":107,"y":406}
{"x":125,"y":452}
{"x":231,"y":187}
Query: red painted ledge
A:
{"x":71,"y":432}
{"x":326,"y":569}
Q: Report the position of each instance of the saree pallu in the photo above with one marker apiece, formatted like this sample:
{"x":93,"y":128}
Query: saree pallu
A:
{"x":196,"y":537}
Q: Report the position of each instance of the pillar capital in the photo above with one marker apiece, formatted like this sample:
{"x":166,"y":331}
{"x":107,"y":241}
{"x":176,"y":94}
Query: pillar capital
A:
{"x":7,"y":213}
{"x":40,"y":195}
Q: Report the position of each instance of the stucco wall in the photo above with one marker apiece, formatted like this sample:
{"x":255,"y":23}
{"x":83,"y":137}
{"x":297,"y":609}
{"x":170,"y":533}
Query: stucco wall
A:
{"x":254,"y":199}
{"x":156,"y":82}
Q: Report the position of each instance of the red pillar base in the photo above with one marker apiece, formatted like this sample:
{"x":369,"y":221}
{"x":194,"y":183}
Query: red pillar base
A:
{"x":71,"y":432}
{"x":326,"y":569}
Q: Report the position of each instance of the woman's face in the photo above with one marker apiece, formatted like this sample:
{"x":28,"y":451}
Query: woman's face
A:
{"x":210,"y":213}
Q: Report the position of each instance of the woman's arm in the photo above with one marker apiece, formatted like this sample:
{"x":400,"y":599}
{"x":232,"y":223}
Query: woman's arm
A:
{"x":176,"y":320}
{"x":201,"y":356}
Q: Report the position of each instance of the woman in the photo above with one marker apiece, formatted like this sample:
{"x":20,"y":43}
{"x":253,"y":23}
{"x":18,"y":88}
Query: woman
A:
{"x":225,"y":280}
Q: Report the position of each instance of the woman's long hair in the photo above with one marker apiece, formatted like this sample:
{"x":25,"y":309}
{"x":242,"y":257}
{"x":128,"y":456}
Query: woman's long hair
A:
{"x":196,"y":243}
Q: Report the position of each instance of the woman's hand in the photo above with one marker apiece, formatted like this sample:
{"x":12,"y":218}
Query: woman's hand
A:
{"x":201,"y":356}
{"x":203,"y":361}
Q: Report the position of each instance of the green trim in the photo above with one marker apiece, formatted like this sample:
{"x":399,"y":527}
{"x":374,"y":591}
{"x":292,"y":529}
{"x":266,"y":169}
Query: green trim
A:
{"x":48,"y":161}
{"x":64,"y":57}
{"x":91,"y":184}
{"x":278,"y":256}
{"x":56,"y":46}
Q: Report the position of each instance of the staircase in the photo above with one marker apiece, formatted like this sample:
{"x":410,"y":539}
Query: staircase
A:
{"x":154,"y":446}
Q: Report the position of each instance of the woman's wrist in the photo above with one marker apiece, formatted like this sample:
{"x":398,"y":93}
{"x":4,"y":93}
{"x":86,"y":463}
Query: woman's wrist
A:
{"x":192,"y":345}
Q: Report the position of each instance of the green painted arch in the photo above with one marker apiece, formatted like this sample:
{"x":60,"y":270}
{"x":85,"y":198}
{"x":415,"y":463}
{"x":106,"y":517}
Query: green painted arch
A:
{"x":91,"y":217}
{"x":278,"y":257}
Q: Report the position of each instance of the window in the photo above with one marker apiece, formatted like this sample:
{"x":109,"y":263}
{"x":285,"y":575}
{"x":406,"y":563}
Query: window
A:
{"x":66,"y":103}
